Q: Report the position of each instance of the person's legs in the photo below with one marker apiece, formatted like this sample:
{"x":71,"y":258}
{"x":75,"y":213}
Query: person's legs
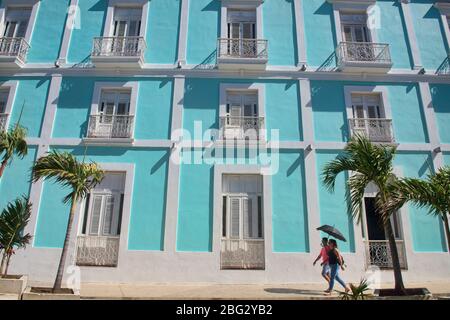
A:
{"x":333,"y":271}
{"x":339,"y":279}
{"x":326,"y":272}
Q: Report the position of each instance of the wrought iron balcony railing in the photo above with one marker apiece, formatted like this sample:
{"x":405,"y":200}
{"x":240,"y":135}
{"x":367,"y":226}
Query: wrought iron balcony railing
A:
{"x":377,"y":53}
{"x":3,"y":119}
{"x":97,"y":251}
{"x":376,"y":130}
{"x":119,"y":47}
{"x":378,"y":253}
{"x":110,"y":126}
{"x":242,"y":254}
{"x":444,"y":68}
{"x":242,"y":48}
{"x":14,"y":47}
{"x":241,"y":127}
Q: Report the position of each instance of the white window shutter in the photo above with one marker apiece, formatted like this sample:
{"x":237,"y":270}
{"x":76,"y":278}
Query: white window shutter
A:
{"x":95,"y":215}
{"x":108,"y":215}
{"x":235,"y":210}
{"x":247,"y":217}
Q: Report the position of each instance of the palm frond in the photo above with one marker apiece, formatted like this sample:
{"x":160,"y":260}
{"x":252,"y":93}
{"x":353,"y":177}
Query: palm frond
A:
{"x":13,"y":141}
{"x":13,"y":220}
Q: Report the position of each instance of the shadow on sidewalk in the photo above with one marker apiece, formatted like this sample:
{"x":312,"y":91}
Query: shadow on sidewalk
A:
{"x":295,"y":291}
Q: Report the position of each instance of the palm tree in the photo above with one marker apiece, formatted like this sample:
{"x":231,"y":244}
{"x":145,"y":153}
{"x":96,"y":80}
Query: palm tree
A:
{"x":12,"y":142}
{"x":80,"y":177}
{"x":13,"y":221}
{"x":369,"y":163}
{"x":432,"y":193}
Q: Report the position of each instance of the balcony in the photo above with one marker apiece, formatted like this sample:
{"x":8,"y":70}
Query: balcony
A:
{"x":97,"y":251}
{"x":242,"y":54}
{"x":241,"y":128}
{"x":113,"y":52}
{"x":242,"y":254}
{"x":110,"y":129}
{"x":444,"y":68}
{"x":3,"y":120}
{"x":378,"y":253}
{"x":13,"y":52}
{"x":376,"y":130}
{"x":363,"y":57}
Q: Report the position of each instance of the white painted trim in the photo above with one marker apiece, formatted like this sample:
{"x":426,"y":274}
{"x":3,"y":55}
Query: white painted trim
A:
{"x":11,"y":86}
{"x":381,"y":90}
{"x":51,"y":106}
{"x":71,"y":18}
{"x":34,"y":4}
{"x":219,"y":171}
{"x":144,"y":4}
{"x":260,"y":88}
{"x":182,"y":34}
{"x":300,"y":32}
{"x":173,"y":175}
{"x":241,"y":4}
{"x":430,"y":120}
{"x":411,"y":34}
{"x":306,"y":111}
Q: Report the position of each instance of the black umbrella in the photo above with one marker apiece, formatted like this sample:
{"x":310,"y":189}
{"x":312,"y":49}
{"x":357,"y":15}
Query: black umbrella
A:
{"x":332,"y":231}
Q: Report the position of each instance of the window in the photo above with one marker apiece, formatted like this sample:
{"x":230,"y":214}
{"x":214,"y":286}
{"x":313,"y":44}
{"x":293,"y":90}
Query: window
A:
{"x":103,"y":208}
{"x":3,"y":100}
{"x":242,"y":207}
{"x":127,"y":22}
{"x":114,"y":103}
{"x":354,"y":28}
{"x":366,"y":106}
{"x":241,"y":106}
{"x":242,"y":24}
{"x":16,"y":22}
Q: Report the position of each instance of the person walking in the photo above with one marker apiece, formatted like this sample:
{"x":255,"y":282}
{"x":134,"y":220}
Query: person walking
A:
{"x":336,"y":262}
{"x":324,"y":255}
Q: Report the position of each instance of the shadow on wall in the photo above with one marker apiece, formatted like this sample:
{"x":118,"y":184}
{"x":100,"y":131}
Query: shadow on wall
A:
{"x":326,"y":9}
{"x":209,"y":63}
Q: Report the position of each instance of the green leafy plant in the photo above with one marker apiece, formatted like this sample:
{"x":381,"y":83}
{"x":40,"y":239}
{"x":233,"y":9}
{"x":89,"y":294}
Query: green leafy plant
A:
{"x":13,"y":220}
{"x":356,"y":292}
{"x":11,"y":143}
{"x":79,"y":177}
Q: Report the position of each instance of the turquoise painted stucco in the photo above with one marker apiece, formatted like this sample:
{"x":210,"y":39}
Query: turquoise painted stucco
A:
{"x":320,"y":38}
{"x":426,"y":230}
{"x":440,"y":94}
{"x":330,"y":117}
{"x":162,"y":34}
{"x":92,"y":15}
{"x":289,"y":211}
{"x":282,"y":105}
{"x":153,"y":110}
{"x":429,"y":33}
{"x":29,"y":103}
{"x":280,"y":32}
{"x":203,"y":31}
{"x":146,"y":230}
{"x":47,"y":37}
{"x":333,"y":206}
{"x":15,"y":180}
{"x":447,"y":159}
{"x":392,"y":31}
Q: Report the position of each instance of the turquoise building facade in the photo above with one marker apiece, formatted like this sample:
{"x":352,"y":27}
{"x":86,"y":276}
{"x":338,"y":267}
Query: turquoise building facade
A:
{"x":161,"y":92}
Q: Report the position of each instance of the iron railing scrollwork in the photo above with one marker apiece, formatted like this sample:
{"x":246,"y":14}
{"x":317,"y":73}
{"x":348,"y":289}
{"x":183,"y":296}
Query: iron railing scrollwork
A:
{"x":14,"y":47}
{"x":242,"y":254}
{"x":363,"y":52}
{"x":97,"y":251}
{"x":118,"y":47}
{"x":242,"y":48}
{"x":110,"y":126}
{"x":376,"y":130}
{"x":378,"y":253}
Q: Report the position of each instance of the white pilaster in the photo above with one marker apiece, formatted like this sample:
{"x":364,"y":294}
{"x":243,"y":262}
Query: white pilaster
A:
{"x":173,"y":175}
{"x":182,"y":34}
{"x":411,"y":34}
{"x":300,"y":31}
{"x":70,"y":23}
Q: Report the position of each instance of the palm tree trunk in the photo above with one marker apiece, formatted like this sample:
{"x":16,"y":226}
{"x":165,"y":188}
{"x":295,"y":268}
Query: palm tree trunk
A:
{"x":3,"y":166}
{"x":8,"y":258}
{"x":399,"y":285}
{"x":447,"y":229}
{"x":2,"y":264}
{"x":62,"y":260}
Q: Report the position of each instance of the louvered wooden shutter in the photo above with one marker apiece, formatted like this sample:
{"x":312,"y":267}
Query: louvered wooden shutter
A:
{"x":95,"y":215}
{"x":235,"y":210}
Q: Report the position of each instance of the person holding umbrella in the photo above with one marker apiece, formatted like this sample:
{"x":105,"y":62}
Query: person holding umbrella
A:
{"x":335,"y":261}
{"x":324,"y":255}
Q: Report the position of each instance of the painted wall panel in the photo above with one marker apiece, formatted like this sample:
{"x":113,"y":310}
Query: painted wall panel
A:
{"x":146,"y":231}
{"x":427,"y":231}
{"x":92,"y":15}
{"x":279,"y":30}
{"x":203,"y":31}
{"x":29,"y":104}
{"x":15,"y":180}
{"x":333,"y":206}
{"x":429,"y":32}
{"x":440,"y":94}
{"x":162,"y":34}
{"x":289,"y":213}
{"x":46,"y":38}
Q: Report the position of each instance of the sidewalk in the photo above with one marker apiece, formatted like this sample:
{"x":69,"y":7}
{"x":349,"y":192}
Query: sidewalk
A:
{"x":219,"y":291}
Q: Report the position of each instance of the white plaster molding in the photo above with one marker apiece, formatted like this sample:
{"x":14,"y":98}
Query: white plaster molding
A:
{"x":306,"y":110}
{"x":182,"y":35}
{"x":173,"y":175}
{"x":11,"y":86}
{"x":241,"y":4}
{"x":33,"y":4}
{"x":444,"y":9}
{"x":258,"y":87}
{"x":411,"y":34}
{"x":300,"y":32}
{"x":71,"y":18}
{"x":143,"y":4}
{"x":381,"y":90}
